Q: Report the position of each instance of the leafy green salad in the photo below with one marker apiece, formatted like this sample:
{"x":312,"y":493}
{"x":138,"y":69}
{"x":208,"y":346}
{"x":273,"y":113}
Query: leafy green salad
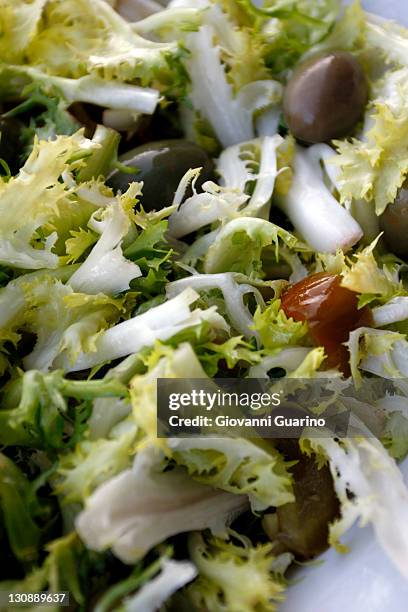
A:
{"x":196,"y":189}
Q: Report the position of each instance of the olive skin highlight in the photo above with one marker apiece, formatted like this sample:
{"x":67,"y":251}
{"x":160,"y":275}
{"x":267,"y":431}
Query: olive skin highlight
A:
{"x":161,"y":165}
{"x":325,"y":98}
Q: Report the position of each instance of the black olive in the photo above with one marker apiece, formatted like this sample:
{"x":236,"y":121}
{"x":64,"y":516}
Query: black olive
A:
{"x":394,"y":223}
{"x":325,"y":98}
{"x":161,"y":165}
{"x":10,"y":148}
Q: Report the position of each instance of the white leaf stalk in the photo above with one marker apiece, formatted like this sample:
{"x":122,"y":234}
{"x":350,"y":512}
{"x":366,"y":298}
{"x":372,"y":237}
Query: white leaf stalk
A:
{"x":106,"y":270}
{"x":173,"y":576}
{"x":233,"y":293}
{"x":392,"y":312}
{"x":95,"y":90}
{"x":289,"y":359}
{"x":313,"y":210}
{"x":214,"y":204}
{"x":379,"y":495}
{"x":212,"y":95}
{"x":159,"y":323}
{"x":143,"y":506}
{"x":378,"y":351}
{"x":228,"y":201}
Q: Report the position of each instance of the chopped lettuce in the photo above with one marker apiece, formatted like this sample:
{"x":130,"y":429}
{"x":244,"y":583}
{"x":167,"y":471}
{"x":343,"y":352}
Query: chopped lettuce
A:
{"x":13,"y":304}
{"x":65,"y":322}
{"x":366,"y":277}
{"x":314,"y":211}
{"x":370,"y":488}
{"x":49,"y":411}
{"x":159,"y":323}
{"x":32,"y":198}
{"x":173,"y":575}
{"x":374,"y":166}
{"x":100,"y":42}
{"x":387,"y":38}
{"x":228,"y":106}
{"x":19,"y":24}
{"x":100,"y":299}
{"x":163,"y":362}
{"x":106,"y":270}
{"x":144,"y":505}
{"x":287,"y":359}
{"x":378,"y":351}
{"x":395,"y":435}
{"x":89,"y":89}
{"x":169,"y":23}
{"x":233,"y":294}
{"x":348,"y":32}
{"x":19,"y":519}
{"x":394,"y":311}
{"x":292,"y":28}
{"x":276,"y":330}
{"x":236,"y":465}
{"x":253,"y":162}
{"x":82,"y":53}
{"x":238,"y":246}
{"x":202,"y":209}
{"x":92,"y":462}
{"x":60,"y":571}
{"x":224,"y":568}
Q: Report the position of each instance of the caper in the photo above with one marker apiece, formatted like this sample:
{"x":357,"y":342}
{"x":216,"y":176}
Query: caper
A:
{"x":326,"y":97}
{"x":394,"y":223}
{"x":161,"y":165}
{"x":10,"y":130}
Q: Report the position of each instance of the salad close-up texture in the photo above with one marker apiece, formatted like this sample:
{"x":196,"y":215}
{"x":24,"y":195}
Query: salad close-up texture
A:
{"x":198,"y":189}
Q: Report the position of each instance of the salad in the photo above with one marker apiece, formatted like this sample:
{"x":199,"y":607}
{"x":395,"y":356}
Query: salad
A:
{"x":195,"y":189}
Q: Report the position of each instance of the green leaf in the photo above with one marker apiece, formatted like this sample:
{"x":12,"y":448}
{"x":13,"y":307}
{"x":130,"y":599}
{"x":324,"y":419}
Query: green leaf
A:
{"x":61,"y":570}
{"x":43,"y":416}
{"x":364,"y":275}
{"x":78,"y":245}
{"x":22,"y":531}
{"x":238,"y":466}
{"x":277,"y":330}
{"x":239,"y":244}
{"x":78,"y":39}
{"x":145,"y":245}
{"x":395,"y":435}
{"x":233,"y":576}
{"x":103,"y":158}
{"x":375,"y":166}
{"x":233,"y":351}
{"x":46,"y":124}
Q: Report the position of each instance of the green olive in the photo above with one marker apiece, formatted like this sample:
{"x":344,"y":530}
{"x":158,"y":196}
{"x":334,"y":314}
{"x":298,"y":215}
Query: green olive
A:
{"x":394,"y":223}
{"x":301,"y":527}
{"x":325,"y":98}
{"x":161,"y":165}
{"x":10,"y":130}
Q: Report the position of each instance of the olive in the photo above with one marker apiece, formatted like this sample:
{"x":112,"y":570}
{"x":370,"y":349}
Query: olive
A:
{"x":10,"y":148}
{"x":161,"y":165}
{"x":325,"y":98}
{"x":302,"y":526}
{"x":394,"y":223}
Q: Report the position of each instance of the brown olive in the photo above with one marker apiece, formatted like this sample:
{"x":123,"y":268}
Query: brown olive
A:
{"x":161,"y":165}
{"x":394,"y":223}
{"x":325,"y":98}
